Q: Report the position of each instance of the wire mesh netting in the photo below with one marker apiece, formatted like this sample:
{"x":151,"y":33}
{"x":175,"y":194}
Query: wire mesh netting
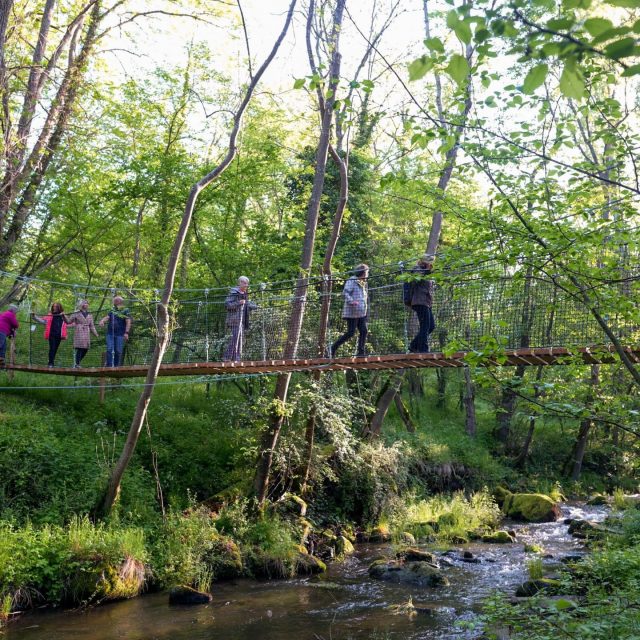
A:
{"x":508,"y":310}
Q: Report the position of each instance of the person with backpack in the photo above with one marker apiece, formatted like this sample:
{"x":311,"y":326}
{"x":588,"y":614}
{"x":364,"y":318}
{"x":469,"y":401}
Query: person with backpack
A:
{"x":418,"y":294}
{"x":55,"y":329}
{"x":355,"y":310}
{"x":8,"y":326}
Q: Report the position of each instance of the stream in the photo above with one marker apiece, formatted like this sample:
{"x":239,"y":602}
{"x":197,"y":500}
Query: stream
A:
{"x":342,"y":604}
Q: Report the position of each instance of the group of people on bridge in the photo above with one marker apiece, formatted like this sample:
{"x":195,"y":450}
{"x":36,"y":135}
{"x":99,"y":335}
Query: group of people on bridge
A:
{"x":417,"y":294}
{"x":56,"y":323}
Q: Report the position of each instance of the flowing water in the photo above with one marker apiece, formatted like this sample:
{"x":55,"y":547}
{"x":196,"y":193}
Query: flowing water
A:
{"x":340,"y":605}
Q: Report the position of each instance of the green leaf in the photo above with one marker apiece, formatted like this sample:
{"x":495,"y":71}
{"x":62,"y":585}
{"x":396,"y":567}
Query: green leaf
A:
{"x":636,"y":26}
{"x":631,"y":71}
{"x":576,"y":4}
{"x":535,"y":78}
{"x":620,"y":48}
{"x":596,"y":26}
{"x":560,"y":24}
{"x":562,"y":604}
{"x":610,"y":33}
{"x":572,"y":82}
{"x":435,"y":44}
{"x":458,"y":68}
{"x":299,"y":83}
{"x":463,"y":31}
{"x":627,"y":4}
{"x":420,"y":67}
{"x":452,"y":19}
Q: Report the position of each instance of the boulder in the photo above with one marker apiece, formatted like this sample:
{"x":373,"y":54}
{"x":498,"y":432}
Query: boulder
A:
{"x":379,"y":534}
{"x":532,"y":587}
{"x":307,"y":565}
{"x":416,"y":555}
{"x":597,"y":500}
{"x":586,"y":529}
{"x":532,"y":507}
{"x":187,"y":595}
{"x":344,"y":547}
{"x":407,"y":538}
{"x":532,"y":548}
{"x":420,"y":574}
{"x":499,"y":537}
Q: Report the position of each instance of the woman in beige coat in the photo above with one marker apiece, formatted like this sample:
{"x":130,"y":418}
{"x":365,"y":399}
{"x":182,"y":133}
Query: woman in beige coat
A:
{"x":82,"y":321}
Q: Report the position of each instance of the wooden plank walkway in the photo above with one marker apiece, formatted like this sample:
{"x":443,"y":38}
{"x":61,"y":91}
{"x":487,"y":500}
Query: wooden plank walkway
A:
{"x":511,"y":357}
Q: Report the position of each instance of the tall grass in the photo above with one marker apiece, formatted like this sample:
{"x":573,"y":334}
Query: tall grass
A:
{"x":449,"y":517}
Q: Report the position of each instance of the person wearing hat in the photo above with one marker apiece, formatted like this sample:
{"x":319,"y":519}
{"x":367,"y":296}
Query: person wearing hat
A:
{"x":118,"y":326}
{"x":238,"y":307}
{"x":421,"y":301}
{"x":355,"y":310}
{"x":8,"y":326}
{"x":83,"y":324}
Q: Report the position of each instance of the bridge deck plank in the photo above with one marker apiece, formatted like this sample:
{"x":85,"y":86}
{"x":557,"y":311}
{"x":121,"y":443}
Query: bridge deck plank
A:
{"x":530,"y":356}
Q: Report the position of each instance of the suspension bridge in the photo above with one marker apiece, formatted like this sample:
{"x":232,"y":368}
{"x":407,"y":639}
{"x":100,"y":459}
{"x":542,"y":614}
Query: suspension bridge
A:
{"x":491,"y":316}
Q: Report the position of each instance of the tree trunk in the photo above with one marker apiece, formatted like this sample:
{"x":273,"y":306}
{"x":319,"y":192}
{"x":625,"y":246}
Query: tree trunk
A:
{"x":521,"y":460}
{"x":115,"y":480}
{"x":580,"y":446}
{"x":470,"y":421}
{"x":271,"y":435}
{"x":404,"y":413}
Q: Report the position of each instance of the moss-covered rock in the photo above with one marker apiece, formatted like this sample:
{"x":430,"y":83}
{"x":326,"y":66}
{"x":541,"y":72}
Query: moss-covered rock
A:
{"x":587,"y":530}
{"x":416,"y":573}
{"x":411,"y":554}
{"x":501,"y":494}
{"x":380,"y":533}
{"x":597,"y":500}
{"x":344,"y":547}
{"x":187,"y":595}
{"x":533,"y":548}
{"x":498,"y":537}
{"x":407,"y":538}
{"x":532,"y":587}
{"x":224,"y":558}
{"x":95,"y":580}
{"x":307,"y":565}
{"x":532,"y":507}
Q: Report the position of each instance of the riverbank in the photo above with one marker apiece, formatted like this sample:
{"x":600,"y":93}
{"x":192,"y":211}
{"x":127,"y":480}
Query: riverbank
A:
{"x":346,"y":602}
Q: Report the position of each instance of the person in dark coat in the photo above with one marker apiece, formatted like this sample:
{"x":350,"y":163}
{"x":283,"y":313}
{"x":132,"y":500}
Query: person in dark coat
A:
{"x":238,"y":307}
{"x":421,"y":303}
{"x":355,"y":310}
{"x":118,"y":322}
{"x":55,"y":329}
{"x":8,"y":326}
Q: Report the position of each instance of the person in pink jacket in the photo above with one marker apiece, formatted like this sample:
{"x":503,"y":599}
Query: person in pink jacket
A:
{"x":8,"y":325}
{"x":55,"y":329}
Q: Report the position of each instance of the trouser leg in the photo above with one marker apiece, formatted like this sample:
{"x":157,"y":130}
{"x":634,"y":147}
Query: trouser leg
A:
{"x":234,"y":347}
{"x":347,"y":335}
{"x":3,"y":345}
{"x":420,"y":343}
{"x":54,"y":343}
{"x":110,"y":349}
{"x":80,"y":354}
{"x":118,"y":350}
{"x":363,"y":330}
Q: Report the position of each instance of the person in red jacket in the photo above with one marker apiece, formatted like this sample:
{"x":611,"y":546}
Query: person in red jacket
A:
{"x":8,"y":325}
{"x":55,"y":329}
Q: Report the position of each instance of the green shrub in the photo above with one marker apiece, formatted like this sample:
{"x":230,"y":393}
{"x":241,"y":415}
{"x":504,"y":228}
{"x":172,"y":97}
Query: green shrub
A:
{"x":449,"y":517}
